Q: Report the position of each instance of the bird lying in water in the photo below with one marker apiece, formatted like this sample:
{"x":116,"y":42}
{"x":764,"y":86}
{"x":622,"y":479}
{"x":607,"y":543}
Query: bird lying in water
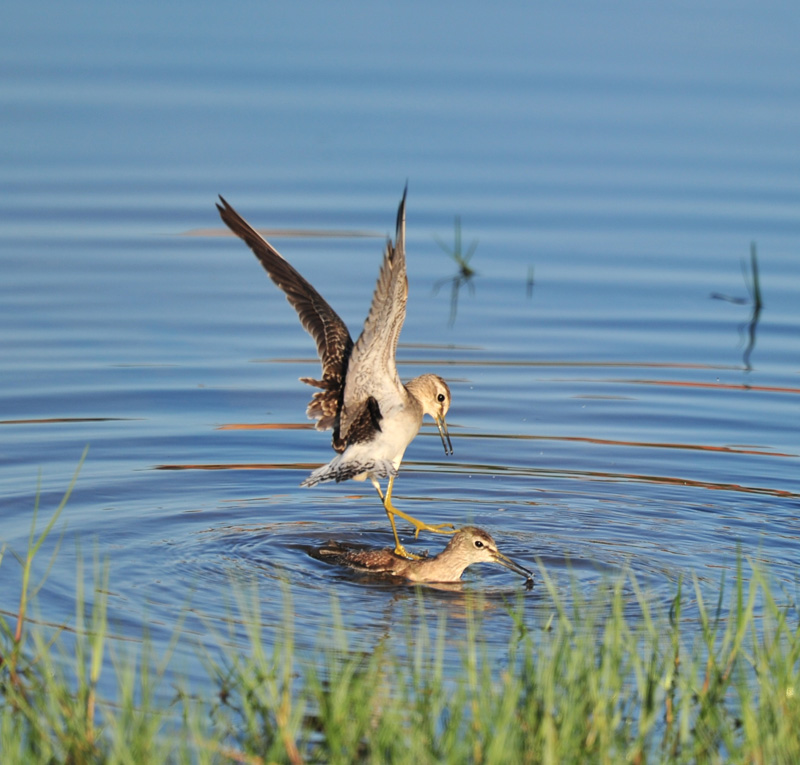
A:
{"x":469,"y":545}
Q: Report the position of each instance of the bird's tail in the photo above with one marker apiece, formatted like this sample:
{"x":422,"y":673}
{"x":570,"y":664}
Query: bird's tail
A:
{"x":340,"y":469}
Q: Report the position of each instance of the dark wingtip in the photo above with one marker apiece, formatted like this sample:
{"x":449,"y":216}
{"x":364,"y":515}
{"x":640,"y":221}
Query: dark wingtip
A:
{"x":401,"y":210}
{"x":224,"y":206}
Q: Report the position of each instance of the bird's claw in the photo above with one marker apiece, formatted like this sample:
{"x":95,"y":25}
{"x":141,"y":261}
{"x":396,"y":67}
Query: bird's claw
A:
{"x":440,"y":528}
{"x":403,"y":553}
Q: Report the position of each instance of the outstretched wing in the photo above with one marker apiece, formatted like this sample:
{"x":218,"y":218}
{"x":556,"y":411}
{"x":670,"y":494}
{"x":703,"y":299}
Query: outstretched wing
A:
{"x":372,"y":375}
{"x":334,"y":343}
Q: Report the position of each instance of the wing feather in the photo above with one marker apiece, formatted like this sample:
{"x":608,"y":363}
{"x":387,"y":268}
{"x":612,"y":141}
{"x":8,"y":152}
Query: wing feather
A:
{"x":334,"y":344}
{"x":372,"y":372}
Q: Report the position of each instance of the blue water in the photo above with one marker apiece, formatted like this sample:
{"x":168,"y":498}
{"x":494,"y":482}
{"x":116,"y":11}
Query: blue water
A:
{"x":614,"y":164}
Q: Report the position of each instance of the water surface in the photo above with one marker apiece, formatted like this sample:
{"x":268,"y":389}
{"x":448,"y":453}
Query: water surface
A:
{"x":618,"y":402}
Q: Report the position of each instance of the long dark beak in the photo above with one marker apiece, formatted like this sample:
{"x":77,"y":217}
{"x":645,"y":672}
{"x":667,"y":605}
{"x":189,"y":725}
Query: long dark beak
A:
{"x":498,"y":557}
{"x":442,"y":425}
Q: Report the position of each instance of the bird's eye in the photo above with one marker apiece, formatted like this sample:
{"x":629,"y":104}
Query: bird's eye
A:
{"x":478,"y":543}
{"x":441,"y":397}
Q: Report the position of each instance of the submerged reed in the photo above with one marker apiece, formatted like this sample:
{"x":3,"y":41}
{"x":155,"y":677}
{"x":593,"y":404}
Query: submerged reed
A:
{"x":593,"y":684}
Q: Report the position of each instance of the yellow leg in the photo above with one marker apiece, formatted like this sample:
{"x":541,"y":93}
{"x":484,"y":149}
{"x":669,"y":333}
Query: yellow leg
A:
{"x":391,"y":511}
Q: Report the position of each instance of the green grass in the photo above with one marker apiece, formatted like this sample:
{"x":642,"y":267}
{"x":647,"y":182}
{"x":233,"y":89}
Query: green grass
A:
{"x":593,"y":684}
